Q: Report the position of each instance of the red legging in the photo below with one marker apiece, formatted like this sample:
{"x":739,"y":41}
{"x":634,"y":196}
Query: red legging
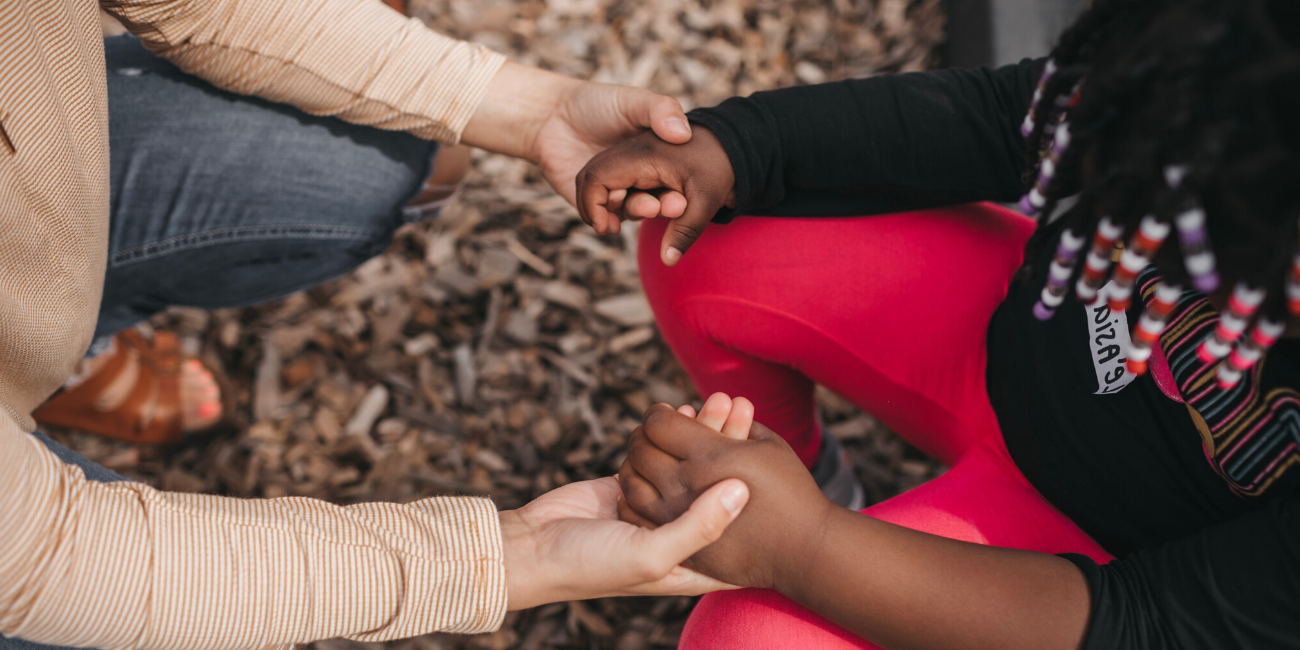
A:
{"x":889,"y":312}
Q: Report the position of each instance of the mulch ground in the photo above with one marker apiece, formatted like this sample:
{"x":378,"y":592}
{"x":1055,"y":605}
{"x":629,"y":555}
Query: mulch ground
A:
{"x":503,"y":348}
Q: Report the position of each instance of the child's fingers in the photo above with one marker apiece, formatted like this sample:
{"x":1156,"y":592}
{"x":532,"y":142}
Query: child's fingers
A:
{"x":615,"y":202}
{"x":739,"y":420}
{"x":641,"y":205}
{"x":627,"y":514}
{"x":672,"y":204}
{"x":684,"y":230}
{"x":642,"y":496}
{"x":654,"y":464}
{"x":676,"y":434}
{"x":715,"y":411}
{"x":592,"y":202}
{"x":687,"y":410}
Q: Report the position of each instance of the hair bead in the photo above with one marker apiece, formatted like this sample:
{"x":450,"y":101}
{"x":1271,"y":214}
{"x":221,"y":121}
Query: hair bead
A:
{"x":1097,"y":263}
{"x":1248,"y":351}
{"x":1033,"y":202}
{"x":1198,"y":257}
{"x":1136,"y":256}
{"x":1232,"y":322}
{"x":1150,"y":325}
{"x":1058,"y":275}
{"x":1027,"y":126}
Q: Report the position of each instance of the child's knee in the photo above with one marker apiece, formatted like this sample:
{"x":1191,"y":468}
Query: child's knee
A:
{"x":758,"y":619}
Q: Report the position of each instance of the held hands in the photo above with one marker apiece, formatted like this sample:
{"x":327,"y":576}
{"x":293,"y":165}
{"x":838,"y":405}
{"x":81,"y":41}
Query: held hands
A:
{"x":696,"y":176}
{"x":569,"y":544}
{"x":672,"y":458}
{"x":559,"y":123}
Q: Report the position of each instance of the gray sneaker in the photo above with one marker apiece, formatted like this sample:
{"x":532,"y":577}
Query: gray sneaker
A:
{"x":834,"y":475}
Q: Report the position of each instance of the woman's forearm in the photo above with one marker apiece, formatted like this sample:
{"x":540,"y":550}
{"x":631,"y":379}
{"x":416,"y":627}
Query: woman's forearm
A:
{"x":905,"y":589}
{"x":518,"y":101}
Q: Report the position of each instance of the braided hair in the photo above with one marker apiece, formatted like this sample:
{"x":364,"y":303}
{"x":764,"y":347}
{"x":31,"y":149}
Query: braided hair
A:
{"x":1173,"y":116}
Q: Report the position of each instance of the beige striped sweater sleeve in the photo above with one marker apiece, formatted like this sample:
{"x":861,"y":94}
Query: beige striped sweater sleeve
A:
{"x":121,"y":565}
{"x":353,"y":59}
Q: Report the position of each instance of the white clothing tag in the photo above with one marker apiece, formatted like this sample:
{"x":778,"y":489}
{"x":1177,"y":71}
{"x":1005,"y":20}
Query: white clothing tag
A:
{"x":1108,"y":339}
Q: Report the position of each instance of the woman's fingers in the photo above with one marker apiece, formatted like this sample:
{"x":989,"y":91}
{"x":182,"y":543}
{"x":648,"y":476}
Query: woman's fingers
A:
{"x":739,"y":420}
{"x":666,"y":118}
{"x":680,"y":581}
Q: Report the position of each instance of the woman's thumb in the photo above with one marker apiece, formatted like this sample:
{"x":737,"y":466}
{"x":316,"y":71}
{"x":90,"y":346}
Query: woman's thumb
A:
{"x":665,"y":117}
{"x":703,"y":523}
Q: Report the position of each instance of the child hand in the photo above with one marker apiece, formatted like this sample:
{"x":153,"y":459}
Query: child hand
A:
{"x":697,"y":176}
{"x":673,"y":458}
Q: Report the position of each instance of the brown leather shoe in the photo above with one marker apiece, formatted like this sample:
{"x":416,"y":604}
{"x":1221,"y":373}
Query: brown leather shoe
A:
{"x":150,"y":413}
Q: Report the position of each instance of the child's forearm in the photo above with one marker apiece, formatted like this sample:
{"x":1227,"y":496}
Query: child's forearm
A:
{"x":903,"y":589}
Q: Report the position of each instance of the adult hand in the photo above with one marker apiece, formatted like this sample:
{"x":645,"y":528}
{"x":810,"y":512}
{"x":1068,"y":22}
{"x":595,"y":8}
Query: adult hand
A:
{"x":697,"y":176}
{"x":559,"y":123}
{"x":569,"y":544}
{"x":672,"y":458}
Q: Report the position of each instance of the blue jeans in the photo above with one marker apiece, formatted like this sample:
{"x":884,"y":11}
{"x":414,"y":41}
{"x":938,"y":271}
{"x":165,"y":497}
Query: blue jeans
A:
{"x":221,"y":200}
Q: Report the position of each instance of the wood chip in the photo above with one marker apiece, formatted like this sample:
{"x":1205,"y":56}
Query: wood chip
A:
{"x":372,"y":405}
{"x":628,"y":310}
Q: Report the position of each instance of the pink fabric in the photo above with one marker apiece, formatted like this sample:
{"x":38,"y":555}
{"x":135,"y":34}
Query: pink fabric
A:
{"x":889,"y":312}
{"x":1163,"y":376}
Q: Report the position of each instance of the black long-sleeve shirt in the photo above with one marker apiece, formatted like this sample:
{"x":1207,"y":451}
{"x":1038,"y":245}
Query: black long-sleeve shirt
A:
{"x":1203,"y":564}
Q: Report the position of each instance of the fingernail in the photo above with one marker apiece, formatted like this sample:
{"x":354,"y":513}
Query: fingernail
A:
{"x":678,"y":125}
{"x":734,"y":498}
{"x":672,"y":255}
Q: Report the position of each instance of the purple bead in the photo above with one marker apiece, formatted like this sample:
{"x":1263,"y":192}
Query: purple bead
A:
{"x":1027,"y":208}
{"x":1041,"y":312}
{"x":1192,"y":237}
{"x":1026,"y":128}
{"x":1206,"y":282}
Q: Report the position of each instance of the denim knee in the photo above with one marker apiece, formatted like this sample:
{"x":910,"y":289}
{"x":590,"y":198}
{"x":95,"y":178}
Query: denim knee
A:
{"x":222,"y":200}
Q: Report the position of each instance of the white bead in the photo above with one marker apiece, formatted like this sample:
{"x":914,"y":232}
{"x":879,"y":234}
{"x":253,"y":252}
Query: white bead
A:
{"x":1250,"y":297}
{"x":1231,"y":323}
{"x":1132,"y":261}
{"x":1216,"y":349}
{"x":1200,"y":263}
{"x":1097,"y":262}
{"x":1059,"y":272}
{"x":1071,"y":241}
{"x":1062,"y":136}
{"x":1168,"y":292}
{"x":1193,"y":219}
{"x":1051,"y":300}
{"x":1174,"y":175}
{"x":1229,"y":375}
{"x":1271,"y":329}
{"x":1139,"y":353}
{"x":1153,"y":229}
{"x":1109,"y":229}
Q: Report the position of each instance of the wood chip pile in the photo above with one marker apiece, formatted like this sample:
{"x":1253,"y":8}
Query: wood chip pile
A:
{"x":503,"y":349}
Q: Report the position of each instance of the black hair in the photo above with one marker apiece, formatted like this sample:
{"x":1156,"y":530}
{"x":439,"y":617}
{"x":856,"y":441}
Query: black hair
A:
{"x":1210,"y":85}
